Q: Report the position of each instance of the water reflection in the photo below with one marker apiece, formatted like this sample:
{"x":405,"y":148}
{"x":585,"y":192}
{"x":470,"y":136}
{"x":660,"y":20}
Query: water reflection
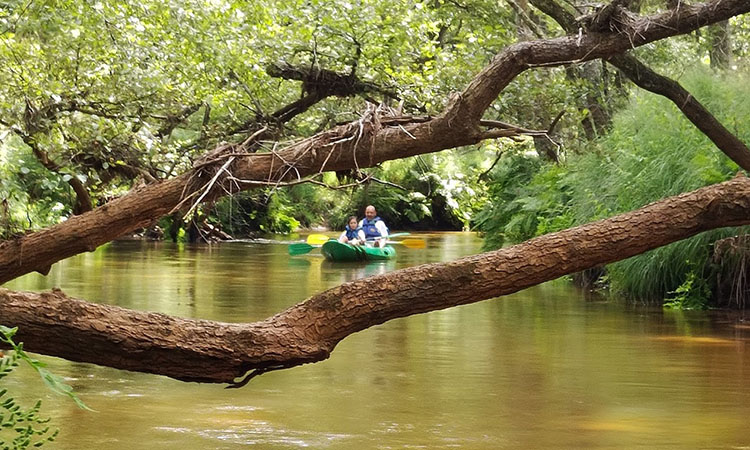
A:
{"x":544,"y":368}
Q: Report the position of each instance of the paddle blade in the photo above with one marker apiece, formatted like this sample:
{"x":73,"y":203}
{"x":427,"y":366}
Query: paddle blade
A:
{"x":317,"y":239}
{"x":413,"y":243}
{"x":300,"y":248}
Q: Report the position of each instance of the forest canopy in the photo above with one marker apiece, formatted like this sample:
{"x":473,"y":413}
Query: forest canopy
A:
{"x":100,"y":97}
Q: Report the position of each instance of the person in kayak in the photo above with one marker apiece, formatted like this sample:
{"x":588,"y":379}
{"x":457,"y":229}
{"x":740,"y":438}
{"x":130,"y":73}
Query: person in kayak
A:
{"x":353,"y":233}
{"x":374,"y":228}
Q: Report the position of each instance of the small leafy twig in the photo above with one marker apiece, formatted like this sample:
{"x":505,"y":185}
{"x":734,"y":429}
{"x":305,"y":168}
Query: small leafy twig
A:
{"x":54,"y":382}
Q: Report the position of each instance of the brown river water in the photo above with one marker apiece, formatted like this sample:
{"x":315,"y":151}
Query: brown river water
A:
{"x":547,"y":368}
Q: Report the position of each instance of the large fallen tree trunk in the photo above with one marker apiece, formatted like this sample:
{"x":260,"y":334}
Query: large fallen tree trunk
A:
{"x":361,"y":144}
{"x":206,"y":351}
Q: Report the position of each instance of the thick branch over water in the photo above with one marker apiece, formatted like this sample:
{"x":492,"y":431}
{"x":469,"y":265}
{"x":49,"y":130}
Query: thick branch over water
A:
{"x":647,"y":79}
{"x":199,"y":350}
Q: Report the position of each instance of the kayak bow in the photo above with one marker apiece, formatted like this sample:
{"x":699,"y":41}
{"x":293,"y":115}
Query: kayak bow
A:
{"x":336,"y":251}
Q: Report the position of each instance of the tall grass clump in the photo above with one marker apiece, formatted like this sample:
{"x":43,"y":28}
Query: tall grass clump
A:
{"x":654,"y":152}
{"x":651,"y":152}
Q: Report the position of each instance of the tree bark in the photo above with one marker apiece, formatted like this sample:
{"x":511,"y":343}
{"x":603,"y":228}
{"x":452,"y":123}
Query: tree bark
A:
{"x":206,"y":351}
{"x":360,"y":144}
{"x":197,"y":350}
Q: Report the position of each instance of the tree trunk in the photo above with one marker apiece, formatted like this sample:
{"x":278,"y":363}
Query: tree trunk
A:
{"x":720,"y":45}
{"x":198,"y":350}
{"x":598,"y":119}
{"x":206,"y":351}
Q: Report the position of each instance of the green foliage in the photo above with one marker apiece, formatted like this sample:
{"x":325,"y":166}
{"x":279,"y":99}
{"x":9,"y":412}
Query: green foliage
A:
{"x":397,"y":207}
{"x":279,"y":217}
{"x":451,"y":182}
{"x":31,"y":197}
{"x":22,"y":427}
{"x":28,"y":428}
{"x":239,"y":214}
{"x":693,"y":293}
{"x":652,"y":275}
{"x":654,"y":152}
{"x":268,"y":211}
{"x":501,"y":217}
{"x":526,"y":199}
{"x":651,"y":152}
{"x":316,"y":203}
{"x":54,"y":382}
{"x":98,"y":86}
{"x":440,"y":191}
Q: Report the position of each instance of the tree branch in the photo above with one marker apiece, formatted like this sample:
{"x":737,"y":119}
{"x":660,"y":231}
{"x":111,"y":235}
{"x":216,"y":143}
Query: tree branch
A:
{"x":208,"y":351}
{"x":327,"y":82}
{"x":470,"y":105}
{"x":649,"y":80}
{"x":695,"y":112}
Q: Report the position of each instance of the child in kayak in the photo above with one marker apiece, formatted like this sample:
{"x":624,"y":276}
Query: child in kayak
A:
{"x":353,"y":234}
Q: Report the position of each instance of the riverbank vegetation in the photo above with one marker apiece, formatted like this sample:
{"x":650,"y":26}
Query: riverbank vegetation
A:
{"x":650,"y":151}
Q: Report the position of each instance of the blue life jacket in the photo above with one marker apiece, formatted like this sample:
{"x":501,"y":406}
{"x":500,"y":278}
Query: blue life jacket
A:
{"x":352,"y":234}
{"x":370,"y":229}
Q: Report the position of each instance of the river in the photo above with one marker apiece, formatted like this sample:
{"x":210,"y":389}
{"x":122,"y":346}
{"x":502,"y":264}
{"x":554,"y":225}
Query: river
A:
{"x":547,"y":368}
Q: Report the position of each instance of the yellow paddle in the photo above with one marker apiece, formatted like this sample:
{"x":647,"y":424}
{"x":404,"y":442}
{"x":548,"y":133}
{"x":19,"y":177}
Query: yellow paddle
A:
{"x":317,"y":239}
{"x":410,"y":243}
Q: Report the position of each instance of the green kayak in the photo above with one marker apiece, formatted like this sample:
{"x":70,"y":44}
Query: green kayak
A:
{"x":336,"y":251}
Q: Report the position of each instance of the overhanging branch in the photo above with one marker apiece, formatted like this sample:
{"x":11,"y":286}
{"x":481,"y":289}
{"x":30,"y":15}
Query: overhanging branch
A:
{"x":695,"y":112}
{"x":208,"y":351}
{"x":649,"y":80}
